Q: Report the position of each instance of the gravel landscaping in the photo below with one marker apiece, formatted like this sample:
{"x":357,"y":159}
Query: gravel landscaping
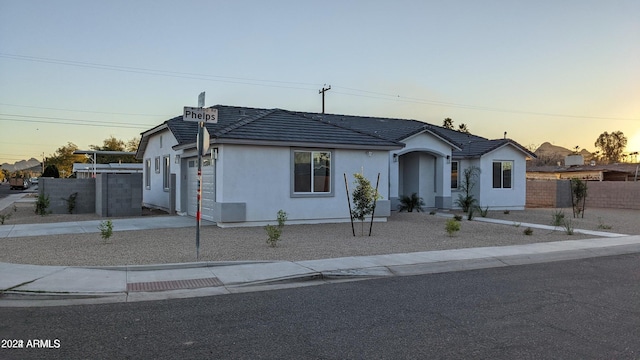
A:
{"x":404,"y":232}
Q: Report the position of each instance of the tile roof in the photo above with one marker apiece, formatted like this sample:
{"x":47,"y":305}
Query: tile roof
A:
{"x":243,"y":124}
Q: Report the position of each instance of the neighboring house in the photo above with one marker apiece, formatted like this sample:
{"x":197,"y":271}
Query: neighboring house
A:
{"x":611,"y":172}
{"x":261,"y":161}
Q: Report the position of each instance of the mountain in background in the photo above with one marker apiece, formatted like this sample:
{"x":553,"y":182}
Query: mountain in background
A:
{"x":21,"y":165}
{"x":549,"y":149}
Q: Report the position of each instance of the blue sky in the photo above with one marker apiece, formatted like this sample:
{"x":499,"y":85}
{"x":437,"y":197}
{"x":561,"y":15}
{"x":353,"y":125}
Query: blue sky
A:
{"x":562,"y":71}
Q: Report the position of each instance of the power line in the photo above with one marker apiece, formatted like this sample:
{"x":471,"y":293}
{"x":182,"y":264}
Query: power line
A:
{"x":289,"y":85}
{"x":82,"y":111}
{"x":78,"y":123}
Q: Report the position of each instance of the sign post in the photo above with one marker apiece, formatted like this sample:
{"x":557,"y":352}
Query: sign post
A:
{"x":200,"y":115}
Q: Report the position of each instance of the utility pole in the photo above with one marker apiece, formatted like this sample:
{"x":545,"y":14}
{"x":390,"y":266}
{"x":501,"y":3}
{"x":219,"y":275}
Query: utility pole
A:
{"x":324,"y":89}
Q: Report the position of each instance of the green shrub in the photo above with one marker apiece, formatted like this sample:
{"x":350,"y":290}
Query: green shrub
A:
{"x":106,"y":229}
{"x":409,"y":203}
{"x":483,"y":212}
{"x":452,"y":226}
{"x":568,"y":226}
{"x":558,"y":218}
{"x":4,"y":217}
{"x":274,"y":232}
{"x":528,"y":231}
{"x":457,"y":217}
{"x":71,"y":202}
{"x":42,"y":204}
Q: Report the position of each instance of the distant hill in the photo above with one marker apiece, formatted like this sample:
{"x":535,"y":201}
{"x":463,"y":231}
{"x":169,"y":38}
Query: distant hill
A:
{"x":548,"y":149}
{"x":21,"y":165}
{"x":549,"y":154}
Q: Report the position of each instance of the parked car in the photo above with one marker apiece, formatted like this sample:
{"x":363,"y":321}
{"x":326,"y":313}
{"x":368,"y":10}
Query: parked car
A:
{"x":34,"y":180}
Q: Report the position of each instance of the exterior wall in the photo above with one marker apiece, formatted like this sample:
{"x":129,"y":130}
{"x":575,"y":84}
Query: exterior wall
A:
{"x":424,"y":156}
{"x":259,"y":178}
{"x":600,"y":194}
{"x":60,"y":189}
{"x":462,"y":166}
{"x":498,"y":199}
{"x":118,"y":195}
{"x":159,"y":146}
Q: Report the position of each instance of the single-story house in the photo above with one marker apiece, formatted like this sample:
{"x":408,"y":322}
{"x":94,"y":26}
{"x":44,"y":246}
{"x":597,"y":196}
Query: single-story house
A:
{"x":263,"y":160}
{"x":606,"y":172}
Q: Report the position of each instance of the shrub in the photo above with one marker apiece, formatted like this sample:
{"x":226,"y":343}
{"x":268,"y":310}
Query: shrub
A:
{"x":452,"y":226}
{"x":457,"y":217}
{"x":42,"y":204}
{"x":568,"y":227}
{"x":106,"y":229}
{"x":409,"y":203}
{"x":364,"y":197}
{"x":274,"y":232}
{"x":4,"y":217}
{"x":483,"y":212}
{"x":558,"y":218}
{"x":506,"y":212}
{"x":466,"y":199}
{"x":603,"y":226}
{"x":470,"y":213}
{"x":71,"y":202}
{"x":528,"y":231}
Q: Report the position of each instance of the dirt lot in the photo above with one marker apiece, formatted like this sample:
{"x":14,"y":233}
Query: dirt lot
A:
{"x":404,"y":232}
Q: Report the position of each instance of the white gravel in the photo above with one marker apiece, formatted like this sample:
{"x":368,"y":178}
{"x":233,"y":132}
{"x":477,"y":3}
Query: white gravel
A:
{"x":404,"y":232}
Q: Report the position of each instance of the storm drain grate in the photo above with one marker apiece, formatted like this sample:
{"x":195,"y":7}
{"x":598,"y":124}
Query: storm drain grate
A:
{"x":174,"y":284}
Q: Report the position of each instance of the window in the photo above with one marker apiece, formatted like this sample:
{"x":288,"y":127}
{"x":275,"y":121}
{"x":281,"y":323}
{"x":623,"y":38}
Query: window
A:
{"x":157,"y":167}
{"x":166,"y":175}
{"x":147,"y":173}
{"x":454,"y":174}
{"x":502,"y":171}
{"x":311,"y":172}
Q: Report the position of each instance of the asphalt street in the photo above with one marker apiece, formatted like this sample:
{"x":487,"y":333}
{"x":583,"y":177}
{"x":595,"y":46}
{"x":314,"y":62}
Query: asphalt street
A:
{"x":586,"y":309}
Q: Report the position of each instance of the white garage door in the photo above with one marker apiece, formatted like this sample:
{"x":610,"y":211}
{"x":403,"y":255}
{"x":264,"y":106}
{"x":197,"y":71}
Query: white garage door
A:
{"x":208,"y":195}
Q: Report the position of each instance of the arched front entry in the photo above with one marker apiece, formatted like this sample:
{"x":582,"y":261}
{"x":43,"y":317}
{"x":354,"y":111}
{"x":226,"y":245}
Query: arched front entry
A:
{"x":425,"y":173}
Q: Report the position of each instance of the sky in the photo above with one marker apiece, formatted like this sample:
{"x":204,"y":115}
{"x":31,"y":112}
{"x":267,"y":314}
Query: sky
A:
{"x":562,"y":71}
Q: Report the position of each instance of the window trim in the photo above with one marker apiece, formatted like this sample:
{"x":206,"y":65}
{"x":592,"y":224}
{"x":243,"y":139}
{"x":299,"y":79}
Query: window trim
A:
{"x":502,"y":174}
{"x":457,"y":175}
{"x":147,"y":173}
{"x":332,"y":160}
{"x":166,"y":172}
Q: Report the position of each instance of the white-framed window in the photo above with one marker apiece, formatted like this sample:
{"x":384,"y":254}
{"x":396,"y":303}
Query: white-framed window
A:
{"x":502,"y":174}
{"x":147,"y":173}
{"x":454,"y":174}
{"x":157,"y":165}
{"x":166,"y":172}
{"x":312,"y":173}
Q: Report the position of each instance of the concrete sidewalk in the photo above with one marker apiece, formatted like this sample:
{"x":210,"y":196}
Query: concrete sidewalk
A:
{"x":32,"y":285}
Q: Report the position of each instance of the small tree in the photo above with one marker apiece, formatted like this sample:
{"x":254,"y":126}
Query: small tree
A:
{"x":274,"y":232}
{"x":612,"y":145}
{"x":466,"y":200}
{"x":364,"y":197}
{"x":578,"y":196}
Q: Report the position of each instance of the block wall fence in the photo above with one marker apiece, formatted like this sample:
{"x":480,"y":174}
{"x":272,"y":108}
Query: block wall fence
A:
{"x":600,"y":194}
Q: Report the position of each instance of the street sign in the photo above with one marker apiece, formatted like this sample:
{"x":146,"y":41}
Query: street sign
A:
{"x":205,"y":142}
{"x":209,"y":115}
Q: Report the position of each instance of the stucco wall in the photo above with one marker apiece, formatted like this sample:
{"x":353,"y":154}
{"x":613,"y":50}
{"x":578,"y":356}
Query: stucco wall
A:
{"x":503,"y":198}
{"x":159,"y":146}
{"x":260,"y":177}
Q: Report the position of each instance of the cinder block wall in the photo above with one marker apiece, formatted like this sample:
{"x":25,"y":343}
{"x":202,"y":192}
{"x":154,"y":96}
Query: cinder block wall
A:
{"x":600,"y":194}
{"x":59,"y":190}
{"x":541,"y":193}
{"x":118,"y":195}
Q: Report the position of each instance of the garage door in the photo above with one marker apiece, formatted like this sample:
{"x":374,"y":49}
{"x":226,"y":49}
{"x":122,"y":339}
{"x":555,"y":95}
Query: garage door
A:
{"x":208,"y":194}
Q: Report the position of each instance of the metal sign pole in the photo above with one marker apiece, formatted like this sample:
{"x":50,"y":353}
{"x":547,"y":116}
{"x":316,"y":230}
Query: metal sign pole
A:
{"x":199,"y":196}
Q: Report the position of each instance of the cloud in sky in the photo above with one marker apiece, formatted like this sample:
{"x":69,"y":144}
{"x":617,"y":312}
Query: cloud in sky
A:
{"x":558,"y":71}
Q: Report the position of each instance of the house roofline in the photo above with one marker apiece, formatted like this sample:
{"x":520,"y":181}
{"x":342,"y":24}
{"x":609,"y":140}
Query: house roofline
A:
{"x":231,"y":141}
